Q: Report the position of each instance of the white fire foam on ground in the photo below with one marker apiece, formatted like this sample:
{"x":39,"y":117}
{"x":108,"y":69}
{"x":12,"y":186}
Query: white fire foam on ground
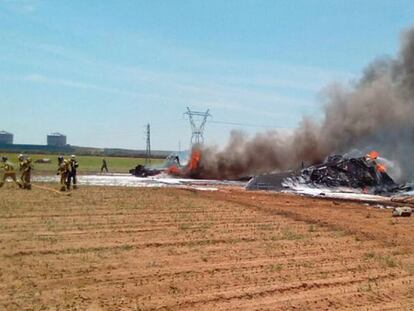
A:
{"x":334,"y":193}
{"x":127,"y":180}
{"x":163,"y":180}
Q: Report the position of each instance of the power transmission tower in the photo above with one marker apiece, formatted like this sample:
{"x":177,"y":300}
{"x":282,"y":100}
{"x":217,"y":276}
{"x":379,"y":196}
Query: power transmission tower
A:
{"x":148,"y":150}
{"x":197,"y":136}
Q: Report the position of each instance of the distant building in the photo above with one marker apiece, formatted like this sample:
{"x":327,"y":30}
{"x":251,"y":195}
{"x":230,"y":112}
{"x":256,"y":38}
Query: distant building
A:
{"x":6,"y":138}
{"x":56,"y":139}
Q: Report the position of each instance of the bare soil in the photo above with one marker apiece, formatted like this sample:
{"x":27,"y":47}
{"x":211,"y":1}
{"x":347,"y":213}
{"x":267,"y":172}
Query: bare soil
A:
{"x":172,"y":249}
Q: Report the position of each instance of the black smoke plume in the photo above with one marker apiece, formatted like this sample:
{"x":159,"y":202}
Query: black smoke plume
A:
{"x":377,"y":113}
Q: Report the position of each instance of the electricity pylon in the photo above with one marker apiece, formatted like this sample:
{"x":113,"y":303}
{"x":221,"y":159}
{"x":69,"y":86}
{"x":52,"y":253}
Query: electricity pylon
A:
{"x":197,"y":136}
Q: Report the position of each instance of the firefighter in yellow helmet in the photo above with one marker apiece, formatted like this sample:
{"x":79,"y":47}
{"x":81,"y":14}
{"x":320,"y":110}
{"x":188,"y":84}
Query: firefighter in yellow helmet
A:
{"x":63,"y":171}
{"x":74,"y":164}
{"x":9,"y":171}
{"x":25,"y":166}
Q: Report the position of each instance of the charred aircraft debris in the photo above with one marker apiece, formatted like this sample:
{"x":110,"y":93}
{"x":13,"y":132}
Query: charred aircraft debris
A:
{"x":364,"y":173}
{"x":143,"y":171}
{"x":173,"y":166}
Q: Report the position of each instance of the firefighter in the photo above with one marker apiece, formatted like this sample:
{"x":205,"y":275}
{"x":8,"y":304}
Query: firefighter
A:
{"x":25,"y":167}
{"x":104,"y":166}
{"x":63,"y":171}
{"x":72,"y":174}
{"x":60,"y":160}
{"x":9,"y":171}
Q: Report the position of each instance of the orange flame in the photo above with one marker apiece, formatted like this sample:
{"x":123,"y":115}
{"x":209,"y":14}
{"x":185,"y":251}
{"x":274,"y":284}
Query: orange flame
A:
{"x":194,"y":160}
{"x":173,"y":170}
{"x":373,"y":155}
{"x":190,"y":169}
{"x":381,"y":168}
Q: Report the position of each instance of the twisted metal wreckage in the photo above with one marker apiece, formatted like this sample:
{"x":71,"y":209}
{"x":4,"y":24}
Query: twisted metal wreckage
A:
{"x":364,"y":173}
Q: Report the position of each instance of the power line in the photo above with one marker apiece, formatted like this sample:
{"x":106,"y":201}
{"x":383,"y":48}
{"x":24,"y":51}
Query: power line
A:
{"x":242,"y":124}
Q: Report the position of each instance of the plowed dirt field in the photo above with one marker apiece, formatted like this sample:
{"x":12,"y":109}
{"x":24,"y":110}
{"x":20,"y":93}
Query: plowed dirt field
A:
{"x":173,"y":249}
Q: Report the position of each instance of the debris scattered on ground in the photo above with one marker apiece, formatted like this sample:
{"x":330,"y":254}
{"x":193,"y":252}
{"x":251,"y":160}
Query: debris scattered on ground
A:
{"x":402,"y":211}
{"x":272,"y":181}
{"x":364,"y":173}
{"x":142,"y":171}
{"x":405,"y":199}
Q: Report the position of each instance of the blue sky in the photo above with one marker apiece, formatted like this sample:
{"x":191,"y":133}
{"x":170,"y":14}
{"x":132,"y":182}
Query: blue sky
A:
{"x":98,"y":71}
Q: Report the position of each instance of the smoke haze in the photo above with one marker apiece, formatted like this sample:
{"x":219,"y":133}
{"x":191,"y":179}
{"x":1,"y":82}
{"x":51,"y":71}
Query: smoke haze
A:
{"x":376,"y":113}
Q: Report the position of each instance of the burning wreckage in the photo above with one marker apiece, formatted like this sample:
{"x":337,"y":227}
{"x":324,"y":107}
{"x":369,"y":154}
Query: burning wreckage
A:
{"x":173,"y":166}
{"x":366,"y":174}
{"x":363,"y":173}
